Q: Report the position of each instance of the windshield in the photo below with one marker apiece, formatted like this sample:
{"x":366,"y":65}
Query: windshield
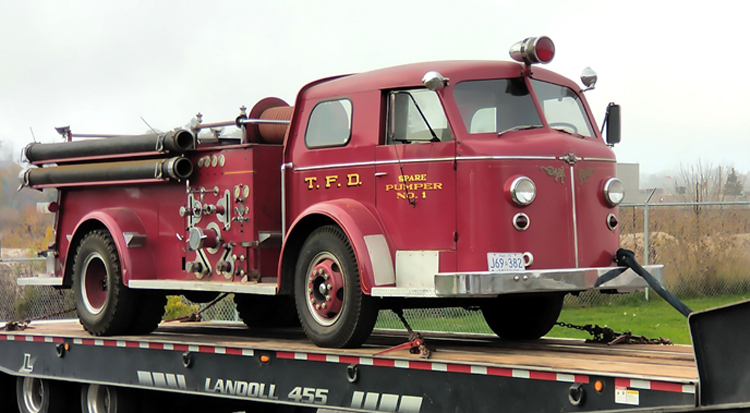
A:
{"x":562,"y":108}
{"x":502,"y":105}
{"x":496,"y":105}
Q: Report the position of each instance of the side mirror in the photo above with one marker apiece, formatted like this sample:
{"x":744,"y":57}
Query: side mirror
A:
{"x":588,"y":78}
{"x":612,"y":121}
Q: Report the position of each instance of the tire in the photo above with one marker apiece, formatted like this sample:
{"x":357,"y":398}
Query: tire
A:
{"x":522,"y":317}
{"x":7,"y":393}
{"x":330,"y":304}
{"x":266,"y":311}
{"x":104,"y":304}
{"x":106,"y":399}
{"x":149,"y":311}
{"x":40,"y":396}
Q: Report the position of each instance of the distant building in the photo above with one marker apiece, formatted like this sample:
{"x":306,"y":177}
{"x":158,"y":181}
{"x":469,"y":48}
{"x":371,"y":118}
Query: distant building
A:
{"x":629,"y":174}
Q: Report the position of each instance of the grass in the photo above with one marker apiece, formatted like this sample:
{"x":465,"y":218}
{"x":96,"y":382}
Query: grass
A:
{"x":653,"y":319}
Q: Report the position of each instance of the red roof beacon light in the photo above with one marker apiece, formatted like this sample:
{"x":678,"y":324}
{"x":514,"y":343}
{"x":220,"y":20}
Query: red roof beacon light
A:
{"x":533,"y":50}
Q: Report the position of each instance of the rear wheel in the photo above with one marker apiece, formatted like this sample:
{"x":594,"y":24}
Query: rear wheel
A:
{"x":265,"y":311}
{"x":105,"y":399}
{"x":522,"y":316}
{"x":149,"y":311}
{"x":104,"y":304}
{"x":40,"y":396}
{"x":331,"y":306}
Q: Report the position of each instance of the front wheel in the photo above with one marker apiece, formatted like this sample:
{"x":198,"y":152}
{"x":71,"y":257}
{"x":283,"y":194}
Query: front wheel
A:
{"x":522,"y":316}
{"x":330,"y":304}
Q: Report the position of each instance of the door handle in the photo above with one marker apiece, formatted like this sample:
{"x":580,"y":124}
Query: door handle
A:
{"x":377,"y":174}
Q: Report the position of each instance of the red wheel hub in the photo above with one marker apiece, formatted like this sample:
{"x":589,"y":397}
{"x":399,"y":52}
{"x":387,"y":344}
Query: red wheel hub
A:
{"x":325,"y":290}
{"x":94,"y":284}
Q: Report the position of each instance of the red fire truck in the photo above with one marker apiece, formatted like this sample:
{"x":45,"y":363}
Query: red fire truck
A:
{"x":454,"y":183}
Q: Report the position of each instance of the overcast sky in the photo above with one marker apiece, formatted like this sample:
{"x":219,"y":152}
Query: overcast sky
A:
{"x":676,"y":68}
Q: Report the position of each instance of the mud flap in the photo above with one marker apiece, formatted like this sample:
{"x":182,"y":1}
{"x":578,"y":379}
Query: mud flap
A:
{"x":720,"y":341}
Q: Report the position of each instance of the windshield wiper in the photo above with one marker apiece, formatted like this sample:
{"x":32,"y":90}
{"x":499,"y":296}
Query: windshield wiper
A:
{"x":577,"y":135}
{"x":520,"y":127}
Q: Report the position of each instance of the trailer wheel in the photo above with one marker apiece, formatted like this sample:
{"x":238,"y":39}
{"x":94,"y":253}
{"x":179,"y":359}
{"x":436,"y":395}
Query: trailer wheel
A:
{"x":104,"y":304}
{"x":40,"y":396}
{"x":265,"y":311}
{"x":522,"y":317}
{"x":105,"y":399}
{"x":330,"y":304}
{"x":7,"y":395}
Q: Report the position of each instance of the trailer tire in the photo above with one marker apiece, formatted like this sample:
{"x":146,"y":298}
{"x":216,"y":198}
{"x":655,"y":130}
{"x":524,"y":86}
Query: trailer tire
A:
{"x":522,"y":316}
{"x":7,"y":393}
{"x":266,"y":311}
{"x":104,"y":304}
{"x":333,"y":310}
{"x":97,"y":398}
{"x":40,"y":396}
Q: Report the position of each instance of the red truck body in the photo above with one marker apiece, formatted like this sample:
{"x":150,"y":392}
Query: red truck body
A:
{"x":378,"y":187}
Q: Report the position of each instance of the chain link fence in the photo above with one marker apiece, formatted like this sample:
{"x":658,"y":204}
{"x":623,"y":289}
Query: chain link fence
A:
{"x":705,"y":248}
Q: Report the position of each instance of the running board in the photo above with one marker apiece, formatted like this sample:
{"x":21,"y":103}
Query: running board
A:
{"x":224,"y":287}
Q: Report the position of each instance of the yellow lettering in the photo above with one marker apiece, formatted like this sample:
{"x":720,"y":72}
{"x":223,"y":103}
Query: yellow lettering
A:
{"x":418,"y":186}
{"x":330,"y":179}
{"x":428,"y":186}
{"x":310,"y":180}
{"x":403,"y":195}
{"x":353,"y":180}
{"x":438,"y":186}
{"x":412,"y":178}
{"x":388,"y":187}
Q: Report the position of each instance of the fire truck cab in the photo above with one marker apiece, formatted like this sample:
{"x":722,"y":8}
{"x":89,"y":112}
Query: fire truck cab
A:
{"x":455,"y":183}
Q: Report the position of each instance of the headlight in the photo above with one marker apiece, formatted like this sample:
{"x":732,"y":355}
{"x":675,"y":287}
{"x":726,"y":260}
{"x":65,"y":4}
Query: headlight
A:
{"x":522,"y":191}
{"x":614,"y":191}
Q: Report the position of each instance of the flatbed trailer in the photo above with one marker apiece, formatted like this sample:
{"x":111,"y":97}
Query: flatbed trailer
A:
{"x":273,"y":370}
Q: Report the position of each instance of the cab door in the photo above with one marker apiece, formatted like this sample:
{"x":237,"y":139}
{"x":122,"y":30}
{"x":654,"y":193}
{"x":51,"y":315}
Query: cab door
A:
{"x":416,"y":186}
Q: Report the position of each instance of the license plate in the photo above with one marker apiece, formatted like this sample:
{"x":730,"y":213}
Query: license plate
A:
{"x":505,"y":261}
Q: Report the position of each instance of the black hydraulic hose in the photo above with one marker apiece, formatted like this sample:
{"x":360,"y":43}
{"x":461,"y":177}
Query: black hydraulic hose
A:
{"x":627,"y":258}
{"x":179,"y":141}
{"x":139,"y":170}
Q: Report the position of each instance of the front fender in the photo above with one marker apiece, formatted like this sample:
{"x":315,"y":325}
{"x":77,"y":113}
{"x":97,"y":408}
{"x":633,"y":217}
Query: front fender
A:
{"x":134,"y":246}
{"x":372,"y":248}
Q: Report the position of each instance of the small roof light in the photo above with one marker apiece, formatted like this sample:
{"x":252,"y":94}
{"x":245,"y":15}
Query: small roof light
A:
{"x":434,"y":80}
{"x":533,"y":50}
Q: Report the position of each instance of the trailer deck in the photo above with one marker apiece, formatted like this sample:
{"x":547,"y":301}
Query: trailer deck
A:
{"x":466,"y":372}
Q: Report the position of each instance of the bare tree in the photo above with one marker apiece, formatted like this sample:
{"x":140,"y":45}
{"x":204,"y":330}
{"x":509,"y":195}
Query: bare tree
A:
{"x":7,"y":151}
{"x":701,"y":182}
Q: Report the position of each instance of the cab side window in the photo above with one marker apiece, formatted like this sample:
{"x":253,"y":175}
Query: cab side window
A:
{"x":416,"y":115}
{"x":330,"y":124}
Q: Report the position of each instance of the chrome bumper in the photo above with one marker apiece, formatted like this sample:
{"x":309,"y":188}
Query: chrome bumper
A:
{"x":479,"y":284}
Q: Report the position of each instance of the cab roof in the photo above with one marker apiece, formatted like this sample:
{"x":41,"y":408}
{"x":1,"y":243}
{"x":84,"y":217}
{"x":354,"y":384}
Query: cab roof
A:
{"x":410,"y":75}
